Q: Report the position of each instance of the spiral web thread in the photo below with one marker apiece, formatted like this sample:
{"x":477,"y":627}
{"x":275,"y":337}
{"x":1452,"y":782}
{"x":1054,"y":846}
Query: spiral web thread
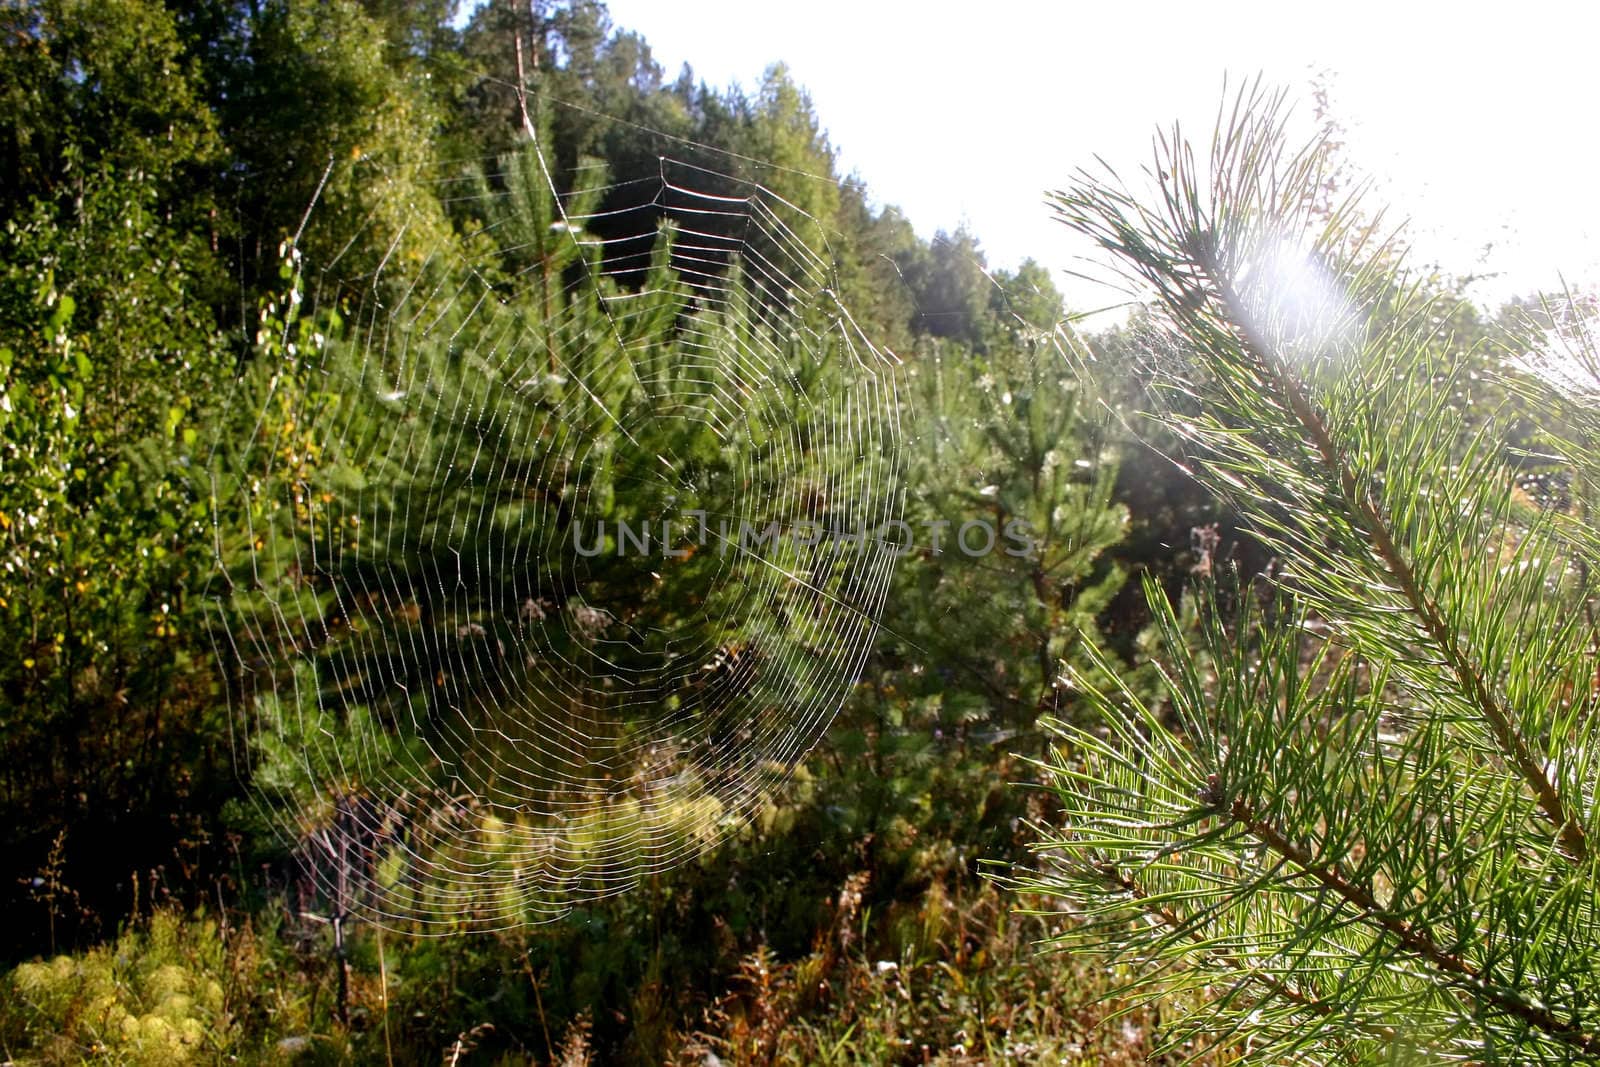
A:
{"x":458,"y":703}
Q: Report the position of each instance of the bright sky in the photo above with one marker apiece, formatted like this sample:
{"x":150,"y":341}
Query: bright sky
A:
{"x":1480,"y":123}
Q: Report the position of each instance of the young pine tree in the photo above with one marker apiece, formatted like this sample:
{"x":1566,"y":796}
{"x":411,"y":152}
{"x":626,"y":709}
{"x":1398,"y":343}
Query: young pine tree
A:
{"x":1360,"y":825}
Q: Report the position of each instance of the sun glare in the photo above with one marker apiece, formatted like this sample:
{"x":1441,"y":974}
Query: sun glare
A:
{"x":1294,"y":301}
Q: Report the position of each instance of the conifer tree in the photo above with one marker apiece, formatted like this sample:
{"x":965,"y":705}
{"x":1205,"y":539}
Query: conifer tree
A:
{"x":1360,"y":825}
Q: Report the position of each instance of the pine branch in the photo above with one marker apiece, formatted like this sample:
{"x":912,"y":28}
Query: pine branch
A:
{"x":1406,"y":812}
{"x":1415,"y":940}
{"x":1275,"y":987}
{"x":1360,"y":502}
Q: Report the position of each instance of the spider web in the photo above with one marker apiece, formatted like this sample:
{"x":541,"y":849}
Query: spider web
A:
{"x":549,"y":546}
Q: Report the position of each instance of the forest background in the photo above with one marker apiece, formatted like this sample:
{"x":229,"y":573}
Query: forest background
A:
{"x":157,"y":159}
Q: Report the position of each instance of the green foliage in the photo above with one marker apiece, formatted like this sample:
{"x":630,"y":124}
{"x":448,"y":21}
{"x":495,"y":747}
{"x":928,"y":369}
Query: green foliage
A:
{"x":698,"y":963}
{"x":109,"y":361}
{"x":317,"y":121}
{"x":152,"y":997}
{"x":1360,"y":821}
{"x":188,"y":412}
{"x":333,"y":541}
{"x":96,"y":87}
{"x":783,"y":132}
{"x":950,"y":288}
{"x":1011,"y":477}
